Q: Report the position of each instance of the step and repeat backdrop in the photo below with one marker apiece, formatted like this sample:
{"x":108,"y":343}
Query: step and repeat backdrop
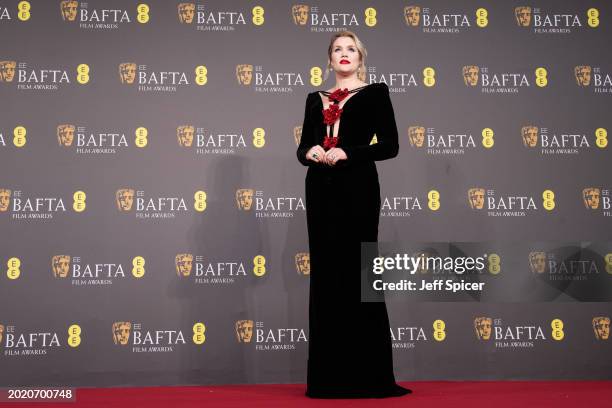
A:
{"x":152,"y":214}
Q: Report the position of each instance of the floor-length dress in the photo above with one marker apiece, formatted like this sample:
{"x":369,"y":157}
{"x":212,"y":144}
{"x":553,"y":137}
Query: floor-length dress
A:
{"x":349,"y":350}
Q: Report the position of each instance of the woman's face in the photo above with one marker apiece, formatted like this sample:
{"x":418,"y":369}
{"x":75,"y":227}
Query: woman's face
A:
{"x":345,"y":55}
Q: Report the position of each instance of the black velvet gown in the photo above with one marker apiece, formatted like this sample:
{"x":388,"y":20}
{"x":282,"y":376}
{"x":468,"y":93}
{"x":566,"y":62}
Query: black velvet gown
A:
{"x":349,"y":350}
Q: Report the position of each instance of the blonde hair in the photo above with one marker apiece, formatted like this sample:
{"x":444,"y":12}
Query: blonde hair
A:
{"x":360,"y":48}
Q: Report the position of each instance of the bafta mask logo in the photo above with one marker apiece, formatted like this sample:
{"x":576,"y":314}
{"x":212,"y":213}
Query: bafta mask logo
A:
{"x":183,"y":264}
{"x":412,"y":15}
{"x":476,"y":198}
{"x":69,"y":9}
{"x":244,"y":198}
{"x":7,"y":71}
{"x":244,"y":331}
{"x":60,"y":264}
{"x":416,"y":135}
{"x":65,"y":135}
{"x":125,"y":199}
{"x":186,"y":11}
{"x":121,"y":332}
{"x":5,"y":199}
{"x":537,"y":261}
{"x":590,"y":196}
{"x":530,"y":136}
{"x":483,"y":325}
{"x":297,"y":134}
{"x":1,"y":332}
{"x":583,"y":75}
{"x":601,"y":326}
{"x":185,"y":134}
{"x":299,"y":12}
{"x":302,"y":263}
{"x":127,"y":72}
{"x":470,"y":75}
{"x":523,"y":16}
{"x":244,"y":74}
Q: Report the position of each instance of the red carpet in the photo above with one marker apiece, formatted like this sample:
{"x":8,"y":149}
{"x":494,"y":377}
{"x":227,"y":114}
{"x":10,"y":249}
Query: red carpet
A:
{"x":455,"y":394}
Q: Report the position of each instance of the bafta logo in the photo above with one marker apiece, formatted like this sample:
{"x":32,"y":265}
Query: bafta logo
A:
{"x":297,"y":134}
{"x":476,"y":198}
{"x":1,"y":332}
{"x":416,"y":135}
{"x":244,"y":74}
{"x":185,"y":134}
{"x":5,"y":199}
{"x":482,"y":325}
{"x":523,"y":16}
{"x":530,"y":136}
{"x":60,"y":264}
{"x":127,"y":72}
{"x":412,"y":14}
{"x":121,"y":332}
{"x":583,"y":75}
{"x":125,"y":199}
{"x":299,"y":12}
{"x":244,"y":198}
{"x":590,"y":197}
{"x":537,"y":261}
{"x":7,"y":71}
{"x":601,"y":326}
{"x":302,"y":263}
{"x":244,"y":331}
{"x":186,"y":11}
{"x":65,"y":134}
{"x":183,"y":264}
{"x":470,"y":75}
{"x":69,"y":9}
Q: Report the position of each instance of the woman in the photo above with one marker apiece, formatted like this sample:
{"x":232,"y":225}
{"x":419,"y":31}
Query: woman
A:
{"x":349,"y":350}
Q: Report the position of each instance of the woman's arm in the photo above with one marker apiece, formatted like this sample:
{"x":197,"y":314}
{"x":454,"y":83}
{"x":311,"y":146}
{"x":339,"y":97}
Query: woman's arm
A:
{"x":307,"y":139}
{"x":385,"y":128}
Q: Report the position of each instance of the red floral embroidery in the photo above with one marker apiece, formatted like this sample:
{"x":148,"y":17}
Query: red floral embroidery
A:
{"x":338,"y":95}
{"x":329,"y":142}
{"x":331,"y":114}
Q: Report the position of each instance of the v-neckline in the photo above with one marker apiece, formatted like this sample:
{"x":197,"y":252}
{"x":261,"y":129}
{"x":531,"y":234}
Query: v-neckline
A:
{"x":343,"y":107}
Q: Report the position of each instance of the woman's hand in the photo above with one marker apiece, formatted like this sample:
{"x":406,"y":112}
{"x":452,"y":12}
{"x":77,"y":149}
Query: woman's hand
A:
{"x":316,"y":154}
{"x":333,"y":155}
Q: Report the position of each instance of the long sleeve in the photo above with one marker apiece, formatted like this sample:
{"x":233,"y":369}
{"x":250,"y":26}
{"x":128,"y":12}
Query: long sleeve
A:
{"x":307,"y":139}
{"x":385,"y":128}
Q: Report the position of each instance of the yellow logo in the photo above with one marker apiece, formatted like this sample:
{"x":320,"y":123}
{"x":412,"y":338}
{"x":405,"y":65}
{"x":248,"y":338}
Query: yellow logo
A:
{"x":1,"y":331}
{"x":244,"y":74}
{"x":244,"y":331}
{"x":121,"y":332}
{"x":7,"y":71}
{"x":5,"y":199}
{"x":186,"y":11}
{"x":297,"y":135}
{"x":537,"y":261}
{"x":124,"y":198}
{"x":590,"y":197}
{"x":523,"y":16}
{"x":183,"y":264}
{"x":299,"y":12}
{"x":69,"y":9}
{"x":184,"y":135}
{"x":601,"y":326}
{"x":470,"y":75}
{"x":127,"y":72}
{"x":60,"y":265}
{"x":483,"y":326}
{"x":244,"y":198}
{"x":476,"y":198}
{"x":530,"y":136}
{"x":416,"y":135}
{"x":65,"y":134}
{"x":412,"y":14}
{"x":302,"y":263}
{"x":583,"y":75}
